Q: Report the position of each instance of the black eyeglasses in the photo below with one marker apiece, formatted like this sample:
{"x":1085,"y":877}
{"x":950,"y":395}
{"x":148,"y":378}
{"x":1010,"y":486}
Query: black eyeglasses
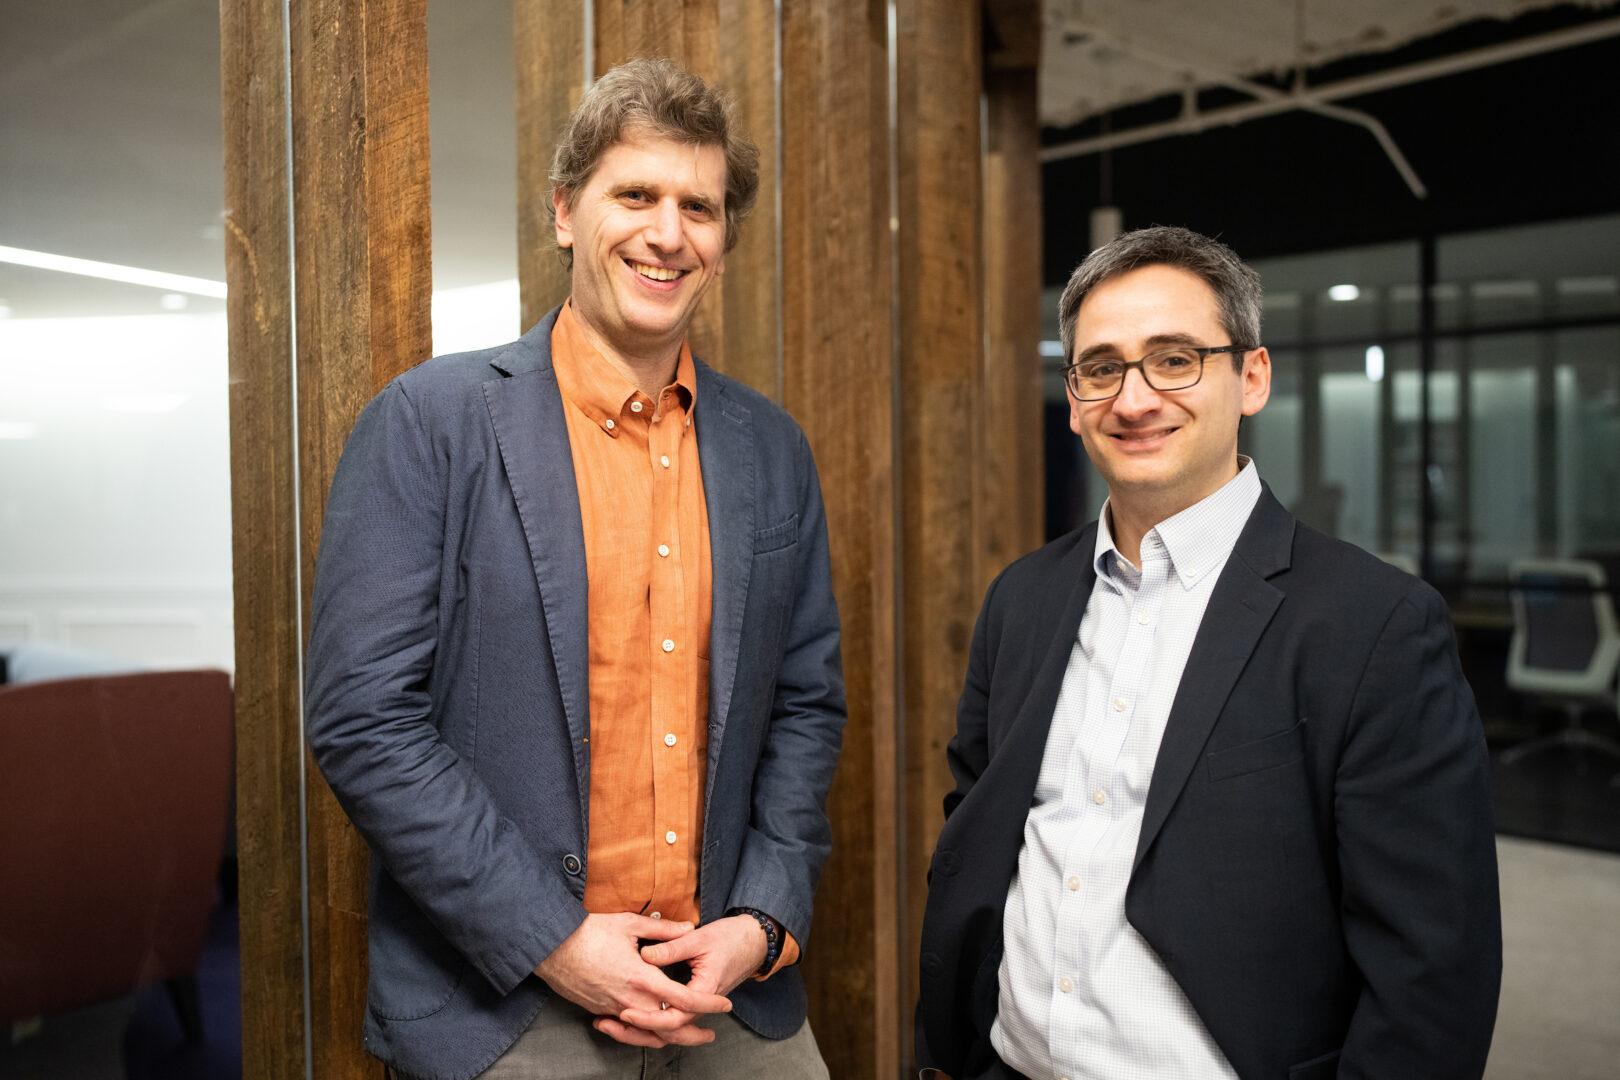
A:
{"x":1168,"y":369}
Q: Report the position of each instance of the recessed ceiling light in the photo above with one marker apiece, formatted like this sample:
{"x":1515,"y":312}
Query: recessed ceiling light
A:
{"x":174,"y":301}
{"x":1343,"y":292}
{"x":134,"y":275}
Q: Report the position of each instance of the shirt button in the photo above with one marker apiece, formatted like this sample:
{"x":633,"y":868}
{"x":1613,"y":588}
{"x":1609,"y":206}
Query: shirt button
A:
{"x":1065,"y":985}
{"x":1074,"y":883}
{"x":1099,"y":796}
{"x":664,"y":460}
{"x":663,"y":549}
{"x":669,"y":740}
{"x":1119,"y":704}
{"x":669,"y":646}
{"x":1143,"y":619}
{"x":609,"y":424}
{"x":635,"y":406}
{"x":656,"y":915}
{"x":669,"y":837}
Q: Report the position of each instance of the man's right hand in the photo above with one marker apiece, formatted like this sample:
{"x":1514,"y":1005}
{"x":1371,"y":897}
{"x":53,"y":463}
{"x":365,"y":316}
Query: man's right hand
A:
{"x":599,"y":968}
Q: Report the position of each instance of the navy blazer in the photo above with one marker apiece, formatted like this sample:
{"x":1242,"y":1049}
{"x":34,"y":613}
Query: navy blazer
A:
{"x":1317,"y":862}
{"x":447,"y":697}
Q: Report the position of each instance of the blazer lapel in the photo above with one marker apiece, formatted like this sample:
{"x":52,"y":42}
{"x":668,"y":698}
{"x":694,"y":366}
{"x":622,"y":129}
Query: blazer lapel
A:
{"x":725,"y":437}
{"x":1240,"y":608}
{"x":1024,"y":746}
{"x":526,"y":410}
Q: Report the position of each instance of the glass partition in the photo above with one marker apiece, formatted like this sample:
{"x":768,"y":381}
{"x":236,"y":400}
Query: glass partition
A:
{"x":118,"y":908}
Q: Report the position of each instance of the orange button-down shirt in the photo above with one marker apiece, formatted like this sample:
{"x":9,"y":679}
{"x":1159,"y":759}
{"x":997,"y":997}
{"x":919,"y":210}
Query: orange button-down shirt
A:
{"x":648,"y":570}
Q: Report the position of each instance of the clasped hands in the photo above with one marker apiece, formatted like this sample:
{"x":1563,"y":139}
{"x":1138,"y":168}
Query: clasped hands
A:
{"x":603,"y":968}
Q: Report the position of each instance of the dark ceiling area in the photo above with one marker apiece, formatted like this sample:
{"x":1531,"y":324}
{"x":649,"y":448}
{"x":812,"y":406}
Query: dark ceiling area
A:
{"x":1535,"y":139}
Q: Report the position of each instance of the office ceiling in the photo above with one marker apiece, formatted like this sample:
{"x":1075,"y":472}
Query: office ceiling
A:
{"x":1098,"y":55}
{"x":112,"y":147}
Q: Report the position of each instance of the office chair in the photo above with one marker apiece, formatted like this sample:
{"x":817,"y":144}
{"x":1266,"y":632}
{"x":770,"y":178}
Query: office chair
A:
{"x":113,"y":804}
{"x":1565,"y":646}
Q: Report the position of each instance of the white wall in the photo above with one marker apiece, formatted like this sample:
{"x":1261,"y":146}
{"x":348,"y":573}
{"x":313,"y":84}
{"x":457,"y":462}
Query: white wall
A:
{"x":115,"y":487}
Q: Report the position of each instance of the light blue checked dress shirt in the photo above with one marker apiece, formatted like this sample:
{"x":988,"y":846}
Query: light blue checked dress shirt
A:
{"x":1083,"y":997}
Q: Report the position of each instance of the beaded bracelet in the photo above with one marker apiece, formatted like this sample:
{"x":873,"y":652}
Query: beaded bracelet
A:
{"x":773,"y":938}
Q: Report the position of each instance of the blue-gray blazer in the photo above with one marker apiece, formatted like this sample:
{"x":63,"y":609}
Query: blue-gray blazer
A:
{"x":447,"y":694}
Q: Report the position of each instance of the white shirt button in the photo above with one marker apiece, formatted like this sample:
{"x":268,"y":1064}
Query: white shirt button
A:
{"x":656,"y":915}
{"x":669,"y":646}
{"x":669,"y":740}
{"x":1099,"y":796}
{"x":663,"y":549}
{"x":669,"y":837}
{"x":664,"y":460}
{"x":1065,"y":985}
{"x":1143,"y":619}
{"x":1074,"y":882}
{"x":609,"y":424}
{"x":1119,"y":704}
{"x":635,"y":406}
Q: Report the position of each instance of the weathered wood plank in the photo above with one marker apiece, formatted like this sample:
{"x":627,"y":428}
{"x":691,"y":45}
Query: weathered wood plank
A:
{"x":1011,"y":473}
{"x":838,"y":380}
{"x":941,"y":349}
{"x":264,"y":538}
{"x":363,"y":271}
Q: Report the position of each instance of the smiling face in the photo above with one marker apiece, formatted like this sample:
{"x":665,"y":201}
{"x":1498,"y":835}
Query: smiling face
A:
{"x":648,"y":235}
{"x":1162,"y":452}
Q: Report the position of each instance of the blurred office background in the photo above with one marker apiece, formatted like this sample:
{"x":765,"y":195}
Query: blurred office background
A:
{"x":1443,"y":311}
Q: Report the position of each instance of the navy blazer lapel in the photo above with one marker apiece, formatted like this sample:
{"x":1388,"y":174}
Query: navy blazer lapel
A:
{"x":526,"y":410}
{"x":1024,"y":745}
{"x":1239,"y":610}
{"x":725,"y":437}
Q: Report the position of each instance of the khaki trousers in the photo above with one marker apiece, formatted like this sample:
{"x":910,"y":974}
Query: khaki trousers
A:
{"x":562,"y":1045}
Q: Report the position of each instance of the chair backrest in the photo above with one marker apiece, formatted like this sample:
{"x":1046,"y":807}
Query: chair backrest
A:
{"x":1565,"y":639}
{"x":113,"y":801}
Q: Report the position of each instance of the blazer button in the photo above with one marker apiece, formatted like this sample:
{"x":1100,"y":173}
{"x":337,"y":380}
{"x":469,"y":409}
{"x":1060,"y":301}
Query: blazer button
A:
{"x":932,"y":965}
{"x":946,"y":863}
{"x":572,"y":864}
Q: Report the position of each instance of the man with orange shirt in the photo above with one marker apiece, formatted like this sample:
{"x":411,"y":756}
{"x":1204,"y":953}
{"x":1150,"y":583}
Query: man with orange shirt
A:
{"x":573,"y":660}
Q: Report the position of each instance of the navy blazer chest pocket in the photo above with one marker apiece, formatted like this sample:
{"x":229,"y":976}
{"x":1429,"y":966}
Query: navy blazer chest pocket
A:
{"x":1271,"y":752}
{"x":777,"y":537}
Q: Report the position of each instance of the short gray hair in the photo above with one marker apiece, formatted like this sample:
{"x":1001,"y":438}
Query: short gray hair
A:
{"x":659,"y":97}
{"x":1235,"y":284}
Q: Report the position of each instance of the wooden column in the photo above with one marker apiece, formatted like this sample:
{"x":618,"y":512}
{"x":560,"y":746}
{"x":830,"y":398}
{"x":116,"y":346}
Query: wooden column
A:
{"x":840,"y":382}
{"x":1010,"y":496}
{"x":264,"y":538}
{"x":940,"y":407}
{"x":361,"y":248}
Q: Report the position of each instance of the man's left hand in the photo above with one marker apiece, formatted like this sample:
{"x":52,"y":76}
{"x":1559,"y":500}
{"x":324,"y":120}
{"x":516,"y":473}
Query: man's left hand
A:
{"x":721,"y":955}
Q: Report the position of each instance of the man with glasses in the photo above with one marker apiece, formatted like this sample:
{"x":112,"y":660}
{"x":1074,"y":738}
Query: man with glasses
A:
{"x":1222,"y":803}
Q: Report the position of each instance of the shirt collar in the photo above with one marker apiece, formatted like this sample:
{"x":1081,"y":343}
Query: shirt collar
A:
{"x":590,"y":382}
{"x":1197,"y":539}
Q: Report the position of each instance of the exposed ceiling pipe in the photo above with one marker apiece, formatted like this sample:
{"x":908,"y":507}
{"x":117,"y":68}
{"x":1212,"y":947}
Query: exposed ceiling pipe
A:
{"x":1318,"y":99}
{"x":1264,"y":93}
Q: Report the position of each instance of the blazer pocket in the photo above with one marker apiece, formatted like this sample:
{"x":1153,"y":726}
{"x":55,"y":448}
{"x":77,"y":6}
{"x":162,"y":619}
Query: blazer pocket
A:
{"x":1283,"y":748}
{"x":1325,"y":1067}
{"x":777,"y":536}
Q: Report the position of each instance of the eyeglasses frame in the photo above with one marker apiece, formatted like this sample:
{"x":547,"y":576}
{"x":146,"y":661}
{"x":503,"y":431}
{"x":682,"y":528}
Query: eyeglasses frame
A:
{"x":1204,"y":353}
